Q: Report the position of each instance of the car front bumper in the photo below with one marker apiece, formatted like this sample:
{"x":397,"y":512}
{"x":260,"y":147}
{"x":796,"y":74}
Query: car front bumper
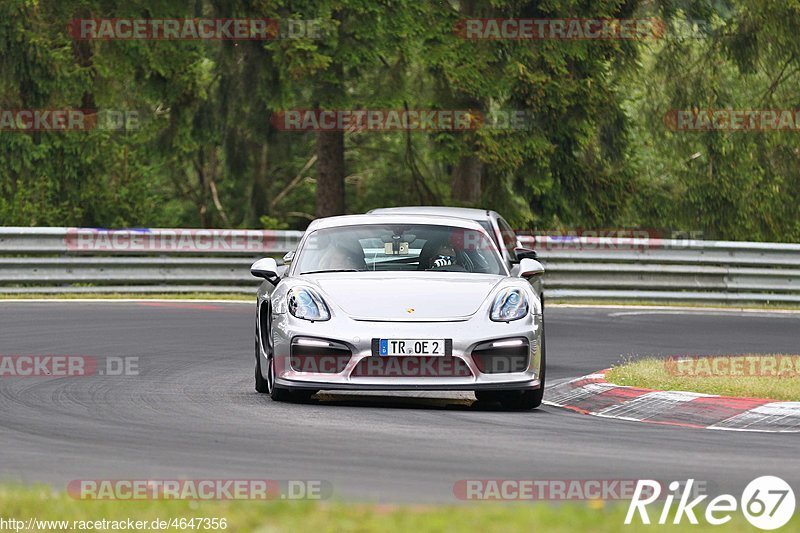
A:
{"x":358,"y":335}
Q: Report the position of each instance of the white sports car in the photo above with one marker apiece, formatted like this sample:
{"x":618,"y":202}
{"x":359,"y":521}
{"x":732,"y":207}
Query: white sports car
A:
{"x":399,"y":302}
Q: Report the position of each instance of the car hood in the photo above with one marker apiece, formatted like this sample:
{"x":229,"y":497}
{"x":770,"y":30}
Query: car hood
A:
{"x":406,"y":297}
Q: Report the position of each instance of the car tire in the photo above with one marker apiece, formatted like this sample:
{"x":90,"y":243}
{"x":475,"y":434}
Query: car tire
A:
{"x":262,"y":385}
{"x":267,"y":385}
{"x":512,"y":400}
{"x":522,"y":400}
{"x":281,"y":395}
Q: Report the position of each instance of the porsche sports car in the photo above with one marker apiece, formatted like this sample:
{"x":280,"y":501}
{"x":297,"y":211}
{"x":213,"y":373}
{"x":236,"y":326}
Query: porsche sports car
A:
{"x":399,"y":302}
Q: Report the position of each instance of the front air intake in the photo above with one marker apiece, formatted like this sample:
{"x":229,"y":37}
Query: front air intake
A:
{"x":411,"y":366}
{"x":319,"y":356}
{"x":502,"y":356}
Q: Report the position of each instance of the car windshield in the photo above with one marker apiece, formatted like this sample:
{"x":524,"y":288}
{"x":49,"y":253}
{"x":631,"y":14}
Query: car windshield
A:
{"x":396,"y":247}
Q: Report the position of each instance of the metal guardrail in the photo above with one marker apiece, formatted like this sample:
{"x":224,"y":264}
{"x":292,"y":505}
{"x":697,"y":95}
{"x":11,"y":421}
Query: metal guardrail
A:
{"x":71,"y":260}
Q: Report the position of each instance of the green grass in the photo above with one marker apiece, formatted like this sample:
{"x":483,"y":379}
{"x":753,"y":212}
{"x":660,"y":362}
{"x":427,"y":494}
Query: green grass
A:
{"x":656,"y":374}
{"x":22,"y":503}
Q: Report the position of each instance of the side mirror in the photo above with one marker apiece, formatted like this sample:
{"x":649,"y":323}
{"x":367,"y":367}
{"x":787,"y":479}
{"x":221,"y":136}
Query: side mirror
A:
{"x":266,"y":268}
{"x":525,"y":253}
{"x":529,"y":268}
{"x":288,"y":257}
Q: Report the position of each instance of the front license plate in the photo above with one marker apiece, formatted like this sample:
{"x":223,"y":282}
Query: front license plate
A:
{"x":412,"y":347}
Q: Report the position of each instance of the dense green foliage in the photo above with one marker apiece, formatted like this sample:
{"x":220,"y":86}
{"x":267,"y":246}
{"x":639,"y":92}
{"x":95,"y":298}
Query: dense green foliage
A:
{"x":596,"y":153}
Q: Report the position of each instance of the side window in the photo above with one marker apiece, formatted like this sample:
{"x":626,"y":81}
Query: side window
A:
{"x":509,"y":237}
{"x":485,"y":224}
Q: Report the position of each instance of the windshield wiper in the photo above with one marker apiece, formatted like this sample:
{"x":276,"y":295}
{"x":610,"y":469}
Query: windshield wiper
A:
{"x":333,"y":270}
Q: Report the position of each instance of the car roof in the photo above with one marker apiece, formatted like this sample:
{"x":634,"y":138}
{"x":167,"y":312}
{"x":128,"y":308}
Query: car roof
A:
{"x":460,"y":212}
{"x":393,"y":218}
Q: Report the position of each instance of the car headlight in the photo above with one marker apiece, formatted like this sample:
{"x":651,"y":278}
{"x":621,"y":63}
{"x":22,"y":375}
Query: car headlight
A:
{"x":509,"y":304}
{"x":306,"y":304}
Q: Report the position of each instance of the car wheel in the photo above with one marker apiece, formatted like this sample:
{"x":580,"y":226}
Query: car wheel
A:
{"x":512,"y":400}
{"x":522,"y":400}
{"x":279,"y":394}
{"x":263,"y":386}
{"x":267,"y":385}
{"x":529,"y":399}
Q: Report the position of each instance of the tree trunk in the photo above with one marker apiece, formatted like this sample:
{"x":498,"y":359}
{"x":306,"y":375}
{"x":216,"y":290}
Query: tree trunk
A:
{"x":83,"y":54}
{"x":466,"y":180}
{"x":330,"y":173}
{"x":260,"y":187}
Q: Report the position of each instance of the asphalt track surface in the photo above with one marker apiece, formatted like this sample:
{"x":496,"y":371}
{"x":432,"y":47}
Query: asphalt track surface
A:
{"x":192,"y":411}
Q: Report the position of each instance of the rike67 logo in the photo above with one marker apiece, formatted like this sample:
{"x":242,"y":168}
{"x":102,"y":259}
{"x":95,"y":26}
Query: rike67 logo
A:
{"x":767,"y":502}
